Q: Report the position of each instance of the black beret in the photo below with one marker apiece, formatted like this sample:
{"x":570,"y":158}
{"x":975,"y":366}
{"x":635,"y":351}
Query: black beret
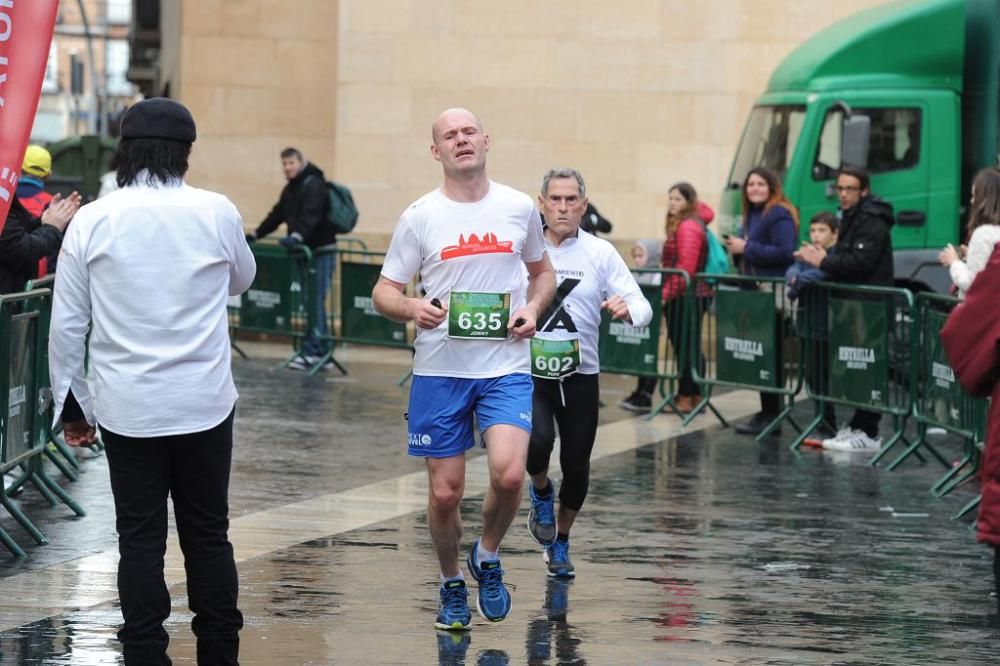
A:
{"x":158,"y":118}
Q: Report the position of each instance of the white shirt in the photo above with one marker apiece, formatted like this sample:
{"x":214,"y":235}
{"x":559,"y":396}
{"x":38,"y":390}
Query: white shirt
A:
{"x":476,"y":247}
{"x":980,"y":250}
{"x":589,"y":270}
{"x":149,"y":271}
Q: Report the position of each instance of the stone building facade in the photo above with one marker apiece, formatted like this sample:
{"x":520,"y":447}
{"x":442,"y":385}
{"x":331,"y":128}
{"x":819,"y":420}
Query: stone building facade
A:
{"x":637,"y":94}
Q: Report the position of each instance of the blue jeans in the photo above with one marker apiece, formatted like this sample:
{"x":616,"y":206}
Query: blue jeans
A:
{"x":314,"y":343}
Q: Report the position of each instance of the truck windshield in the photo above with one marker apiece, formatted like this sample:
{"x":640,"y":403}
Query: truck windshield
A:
{"x":768,"y":141}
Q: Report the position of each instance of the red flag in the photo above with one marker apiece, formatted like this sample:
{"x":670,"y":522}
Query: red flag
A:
{"x":25,"y":35}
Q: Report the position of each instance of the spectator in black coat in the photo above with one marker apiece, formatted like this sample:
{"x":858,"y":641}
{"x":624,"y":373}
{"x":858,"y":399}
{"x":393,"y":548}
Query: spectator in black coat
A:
{"x":25,"y":239}
{"x":862,"y":255}
{"x":303,"y":207}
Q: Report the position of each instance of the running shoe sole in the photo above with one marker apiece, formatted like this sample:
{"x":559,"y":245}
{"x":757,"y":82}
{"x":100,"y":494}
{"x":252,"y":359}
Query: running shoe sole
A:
{"x":454,"y":626}
{"x":483,"y":615}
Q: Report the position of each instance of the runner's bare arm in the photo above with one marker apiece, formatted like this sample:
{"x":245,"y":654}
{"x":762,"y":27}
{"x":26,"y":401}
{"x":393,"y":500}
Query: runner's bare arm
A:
{"x":541,"y":289}
{"x":391,"y":302}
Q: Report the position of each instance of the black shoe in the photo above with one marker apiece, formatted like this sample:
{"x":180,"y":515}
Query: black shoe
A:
{"x":637,"y":402}
{"x":756,"y":425}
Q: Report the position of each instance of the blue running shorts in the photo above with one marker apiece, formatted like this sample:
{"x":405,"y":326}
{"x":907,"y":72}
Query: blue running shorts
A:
{"x":441,"y":411}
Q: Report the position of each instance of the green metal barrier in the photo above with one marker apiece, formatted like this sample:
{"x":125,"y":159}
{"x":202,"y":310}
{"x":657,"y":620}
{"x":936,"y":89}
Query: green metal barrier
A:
{"x":861,"y":342}
{"x":22,"y":332}
{"x":750,"y":342}
{"x":624,"y":349}
{"x":359,"y":322}
{"x":939,"y":400}
{"x":349,"y":244}
{"x":58,"y":452}
{"x":279,"y":302}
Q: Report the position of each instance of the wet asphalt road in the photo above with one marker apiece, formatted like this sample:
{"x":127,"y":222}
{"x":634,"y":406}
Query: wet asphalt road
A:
{"x":701,"y":549}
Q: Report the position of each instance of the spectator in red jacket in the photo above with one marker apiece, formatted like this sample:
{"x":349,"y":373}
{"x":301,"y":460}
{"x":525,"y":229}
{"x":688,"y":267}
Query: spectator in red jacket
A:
{"x":35,"y":170}
{"x":686,"y":248}
{"x":971,"y":340}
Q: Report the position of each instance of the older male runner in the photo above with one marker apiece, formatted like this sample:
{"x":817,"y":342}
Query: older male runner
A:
{"x":564,"y":359}
{"x":470,"y":240}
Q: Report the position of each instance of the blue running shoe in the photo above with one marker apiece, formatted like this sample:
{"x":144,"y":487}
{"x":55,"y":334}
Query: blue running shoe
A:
{"x":453,"y":610}
{"x":493,"y":601}
{"x":557,"y":558}
{"x":542,"y":516}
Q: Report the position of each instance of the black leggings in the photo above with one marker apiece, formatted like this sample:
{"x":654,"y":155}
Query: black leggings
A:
{"x":577,"y":422}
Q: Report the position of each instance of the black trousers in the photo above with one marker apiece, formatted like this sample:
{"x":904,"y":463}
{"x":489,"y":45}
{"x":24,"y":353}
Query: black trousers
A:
{"x":818,"y":374}
{"x":770,"y":403}
{"x":576,"y":418}
{"x":673,"y":315}
{"x":866,"y":421}
{"x":193,"y":469}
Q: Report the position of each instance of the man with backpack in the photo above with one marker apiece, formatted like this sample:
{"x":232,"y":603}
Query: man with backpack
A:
{"x":305,"y":208}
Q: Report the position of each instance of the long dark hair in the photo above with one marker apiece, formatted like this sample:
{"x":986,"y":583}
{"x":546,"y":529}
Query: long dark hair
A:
{"x":689,"y":211}
{"x":776,"y":198}
{"x":986,"y":198}
{"x":164,"y":160}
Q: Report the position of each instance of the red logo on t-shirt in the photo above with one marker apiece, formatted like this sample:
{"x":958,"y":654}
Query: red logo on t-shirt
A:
{"x":488,"y":245}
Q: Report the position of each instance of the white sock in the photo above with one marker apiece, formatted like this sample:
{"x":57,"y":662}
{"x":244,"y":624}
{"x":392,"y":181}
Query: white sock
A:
{"x":445,"y":579}
{"x":483,"y":555}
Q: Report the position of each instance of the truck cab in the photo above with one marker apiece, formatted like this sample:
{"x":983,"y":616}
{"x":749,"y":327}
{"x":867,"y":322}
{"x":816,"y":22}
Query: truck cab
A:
{"x":908,"y":91}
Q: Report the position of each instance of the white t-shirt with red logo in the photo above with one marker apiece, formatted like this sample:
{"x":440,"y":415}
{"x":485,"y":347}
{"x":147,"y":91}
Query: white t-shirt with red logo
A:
{"x":472,"y":247}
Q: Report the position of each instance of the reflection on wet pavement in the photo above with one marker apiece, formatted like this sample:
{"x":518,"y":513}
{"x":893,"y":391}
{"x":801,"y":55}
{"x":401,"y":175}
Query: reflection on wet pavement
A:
{"x":703,"y":548}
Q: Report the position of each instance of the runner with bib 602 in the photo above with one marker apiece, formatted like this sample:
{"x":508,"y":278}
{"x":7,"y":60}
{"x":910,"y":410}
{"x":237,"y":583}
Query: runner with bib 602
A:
{"x":564,"y":362}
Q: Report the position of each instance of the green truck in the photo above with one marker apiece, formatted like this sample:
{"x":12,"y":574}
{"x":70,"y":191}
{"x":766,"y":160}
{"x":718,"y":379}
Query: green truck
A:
{"x":909,"y":90}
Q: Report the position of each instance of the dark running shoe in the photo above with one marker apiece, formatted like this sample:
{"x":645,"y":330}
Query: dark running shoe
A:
{"x":557,"y":559}
{"x":637,"y":402}
{"x":542,"y":516}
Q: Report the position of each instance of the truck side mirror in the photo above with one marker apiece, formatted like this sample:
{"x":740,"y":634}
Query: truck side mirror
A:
{"x":854,"y":140}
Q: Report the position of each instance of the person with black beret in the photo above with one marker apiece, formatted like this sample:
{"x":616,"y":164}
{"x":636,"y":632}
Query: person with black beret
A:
{"x":147,"y":271}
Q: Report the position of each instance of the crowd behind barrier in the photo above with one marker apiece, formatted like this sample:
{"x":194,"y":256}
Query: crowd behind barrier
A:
{"x":875,"y":348}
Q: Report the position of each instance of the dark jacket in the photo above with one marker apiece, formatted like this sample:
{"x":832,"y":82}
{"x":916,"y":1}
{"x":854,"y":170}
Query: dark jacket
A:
{"x":303,"y":207}
{"x":771,"y":241}
{"x":864,"y":247}
{"x":23,"y":242}
{"x":593,"y":222}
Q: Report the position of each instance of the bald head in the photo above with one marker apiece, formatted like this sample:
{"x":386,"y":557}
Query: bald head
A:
{"x":454,"y":118}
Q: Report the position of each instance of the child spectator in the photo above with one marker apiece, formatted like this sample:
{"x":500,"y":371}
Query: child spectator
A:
{"x":645,"y":254}
{"x":824,"y":228}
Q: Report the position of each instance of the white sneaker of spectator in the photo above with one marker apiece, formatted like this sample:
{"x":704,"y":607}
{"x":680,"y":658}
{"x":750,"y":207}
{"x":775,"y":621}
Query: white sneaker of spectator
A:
{"x":852,"y":440}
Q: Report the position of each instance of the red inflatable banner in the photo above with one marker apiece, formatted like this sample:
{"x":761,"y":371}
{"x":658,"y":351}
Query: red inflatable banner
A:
{"x":25,"y":35}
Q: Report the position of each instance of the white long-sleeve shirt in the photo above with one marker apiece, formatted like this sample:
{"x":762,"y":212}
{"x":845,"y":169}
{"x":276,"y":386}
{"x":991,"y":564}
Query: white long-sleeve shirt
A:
{"x":978,"y":255}
{"x":148,"y":270}
{"x":589,"y":270}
